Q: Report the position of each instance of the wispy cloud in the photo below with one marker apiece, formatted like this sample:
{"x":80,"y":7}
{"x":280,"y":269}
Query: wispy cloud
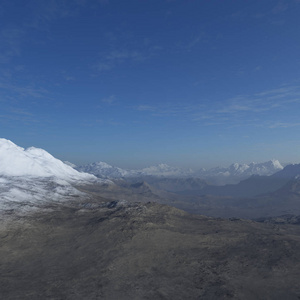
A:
{"x":104,"y":66}
{"x":45,"y":12}
{"x":193,"y":42}
{"x":10,"y":43}
{"x":232,"y":108}
{"x":24,"y":91}
{"x":243,"y":110}
{"x":170,"y":109}
{"x":11,"y":115}
{"x":18,"y":31}
{"x":13,"y":35}
{"x":67,"y":76}
{"x":284,"y":125}
{"x":123,"y":47}
{"x":20,"y":111}
{"x":16,"y":117}
{"x":115,"y":58}
{"x":274,"y":13}
{"x":109,"y":100}
{"x":257,"y":68}
{"x":263,"y":101}
{"x":117,"y":55}
{"x":146,"y":108}
{"x":41,"y":15}
{"x":279,"y":8}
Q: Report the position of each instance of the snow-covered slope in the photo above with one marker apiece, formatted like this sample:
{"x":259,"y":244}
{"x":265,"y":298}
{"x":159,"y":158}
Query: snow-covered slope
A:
{"x":264,"y":169}
{"x":70,"y":164}
{"x":32,"y":177}
{"x":25,"y":194}
{"x":35,"y":162}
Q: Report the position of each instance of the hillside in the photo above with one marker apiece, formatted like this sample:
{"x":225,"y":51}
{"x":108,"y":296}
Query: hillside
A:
{"x":109,"y":250}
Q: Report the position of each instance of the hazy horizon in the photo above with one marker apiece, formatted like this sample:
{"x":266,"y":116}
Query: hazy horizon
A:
{"x":136,"y":83}
{"x":123,"y":165}
{"x":194,"y":167}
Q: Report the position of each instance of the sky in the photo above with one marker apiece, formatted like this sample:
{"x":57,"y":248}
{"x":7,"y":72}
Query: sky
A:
{"x":140,"y":82}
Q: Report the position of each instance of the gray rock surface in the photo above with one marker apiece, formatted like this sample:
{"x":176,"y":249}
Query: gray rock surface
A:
{"x":103,"y":249}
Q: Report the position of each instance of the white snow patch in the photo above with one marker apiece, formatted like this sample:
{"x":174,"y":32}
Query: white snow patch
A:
{"x":17,"y":161}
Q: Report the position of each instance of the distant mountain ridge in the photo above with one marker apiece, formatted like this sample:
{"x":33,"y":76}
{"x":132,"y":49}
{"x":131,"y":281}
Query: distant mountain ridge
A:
{"x":237,"y":172}
{"x":104,"y":170}
{"x":232,"y":174}
{"x":265,"y":168}
{"x":289,"y":171}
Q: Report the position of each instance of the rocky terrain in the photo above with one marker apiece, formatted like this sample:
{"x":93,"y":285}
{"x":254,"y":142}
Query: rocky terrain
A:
{"x":104,"y":249}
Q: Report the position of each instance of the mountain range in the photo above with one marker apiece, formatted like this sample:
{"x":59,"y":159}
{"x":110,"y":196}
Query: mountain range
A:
{"x":33,"y":177}
{"x":70,"y":235}
{"x":232,"y":174}
{"x":104,"y":170}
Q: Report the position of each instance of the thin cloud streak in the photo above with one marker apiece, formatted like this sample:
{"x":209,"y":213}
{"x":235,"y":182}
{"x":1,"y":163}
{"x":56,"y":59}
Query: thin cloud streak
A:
{"x":133,"y":51}
{"x":146,"y":108}
{"x":284,"y":125}
{"x":10,"y":43}
{"x":109,"y":100}
{"x":117,"y":57}
{"x":24,"y":91}
{"x":170,"y":109}
{"x":239,"y":111}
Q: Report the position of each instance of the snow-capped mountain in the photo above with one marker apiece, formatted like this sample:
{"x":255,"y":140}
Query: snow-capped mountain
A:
{"x":265,"y":168}
{"x":35,"y":162}
{"x":31,"y":177}
{"x":233,"y":173}
{"x":237,"y":172}
{"x":104,"y":170}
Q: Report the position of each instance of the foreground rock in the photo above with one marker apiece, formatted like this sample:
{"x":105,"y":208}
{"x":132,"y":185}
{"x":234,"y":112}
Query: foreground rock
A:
{"x":110,"y":250}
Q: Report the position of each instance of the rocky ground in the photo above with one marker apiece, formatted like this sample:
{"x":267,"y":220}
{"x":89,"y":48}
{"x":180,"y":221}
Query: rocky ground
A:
{"x":103,"y":249}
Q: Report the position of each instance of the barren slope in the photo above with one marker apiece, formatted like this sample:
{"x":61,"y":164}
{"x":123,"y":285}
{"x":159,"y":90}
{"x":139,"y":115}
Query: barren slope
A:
{"x":108,"y":250}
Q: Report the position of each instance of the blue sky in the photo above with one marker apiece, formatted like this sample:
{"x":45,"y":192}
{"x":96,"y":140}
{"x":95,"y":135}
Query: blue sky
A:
{"x":135,"y":83}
